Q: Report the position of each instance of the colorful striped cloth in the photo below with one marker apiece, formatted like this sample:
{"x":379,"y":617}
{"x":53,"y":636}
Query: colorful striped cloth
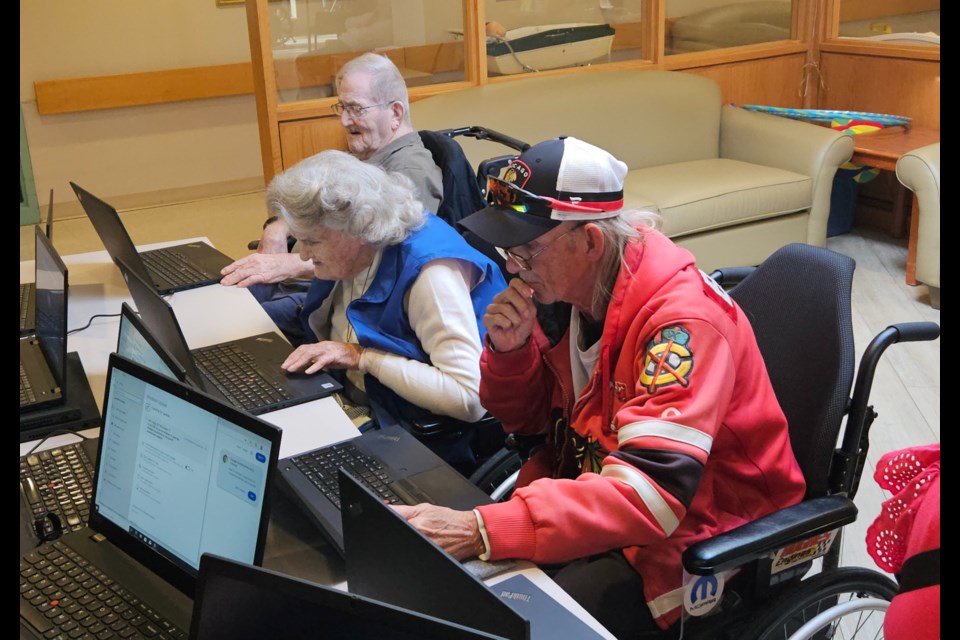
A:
{"x":848,"y":122}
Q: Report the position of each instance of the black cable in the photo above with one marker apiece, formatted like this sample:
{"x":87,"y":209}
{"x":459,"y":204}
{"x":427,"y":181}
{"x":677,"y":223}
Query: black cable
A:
{"x":90,"y":321}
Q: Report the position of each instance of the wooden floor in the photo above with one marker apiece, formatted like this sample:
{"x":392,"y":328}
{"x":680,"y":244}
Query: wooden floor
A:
{"x":906,"y":391}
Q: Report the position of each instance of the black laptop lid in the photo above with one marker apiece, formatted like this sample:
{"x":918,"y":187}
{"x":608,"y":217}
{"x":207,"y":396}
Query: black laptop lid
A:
{"x":179,"y":474}
{"x":136,"y":343}
{"x":49,"y":226}
{"x":106,"y":221}
{"x":160,"y":320}
{"x":388,"y":559}
{"x":51,"y":306}
{"x":235,"y":600}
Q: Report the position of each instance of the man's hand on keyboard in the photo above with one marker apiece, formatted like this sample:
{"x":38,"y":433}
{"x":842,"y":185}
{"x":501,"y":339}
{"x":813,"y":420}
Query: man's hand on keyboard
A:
{"x":324,"y":355}
{"x":456,"y":532}
{"x":260,"y":268}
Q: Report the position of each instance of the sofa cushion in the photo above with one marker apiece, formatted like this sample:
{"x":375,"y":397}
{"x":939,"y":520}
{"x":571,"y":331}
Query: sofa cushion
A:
{"x":701,"y":195}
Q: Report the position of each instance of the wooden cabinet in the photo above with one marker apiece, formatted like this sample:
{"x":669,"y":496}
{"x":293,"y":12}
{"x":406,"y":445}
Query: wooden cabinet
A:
{"x":441,"y":46}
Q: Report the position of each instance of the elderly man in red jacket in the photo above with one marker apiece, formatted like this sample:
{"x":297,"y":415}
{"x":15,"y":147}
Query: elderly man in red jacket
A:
{"x":661,"y":425}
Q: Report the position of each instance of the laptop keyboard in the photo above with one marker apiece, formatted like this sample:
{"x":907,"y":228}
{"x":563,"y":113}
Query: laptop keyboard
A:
{"x":321,"y":467}
{"x":63,"y":596}
{"x":27,"y":396}
{"x":59,"y":481}
{"x":173,"y":266}
{"x":26,"y":299}
{"x":233,"y":372}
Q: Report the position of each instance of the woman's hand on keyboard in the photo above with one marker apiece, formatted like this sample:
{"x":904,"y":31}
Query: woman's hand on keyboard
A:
{"x":323,"y":355}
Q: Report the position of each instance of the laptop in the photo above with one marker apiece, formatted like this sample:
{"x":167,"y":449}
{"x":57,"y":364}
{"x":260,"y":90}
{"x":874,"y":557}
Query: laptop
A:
{"x":237,"y":600}
{"x":179,"y":474}
{"x":136,"y":343}
{"x":184,"y":266}
{"x":388,"y":559}
{"x":28,"y":290}
{"x":43,"y":357}
{"x":400,"y":468}
{"x":245,"y":373}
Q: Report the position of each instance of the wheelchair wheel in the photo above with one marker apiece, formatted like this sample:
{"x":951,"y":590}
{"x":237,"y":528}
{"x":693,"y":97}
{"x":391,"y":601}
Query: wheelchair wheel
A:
{"x":797,"y":606}
{"x":497,"y":476}
{"x":860,"y":616}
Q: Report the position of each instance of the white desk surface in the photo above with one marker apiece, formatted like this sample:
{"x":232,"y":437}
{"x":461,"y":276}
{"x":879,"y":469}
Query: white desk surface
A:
{"x":209,"y":315}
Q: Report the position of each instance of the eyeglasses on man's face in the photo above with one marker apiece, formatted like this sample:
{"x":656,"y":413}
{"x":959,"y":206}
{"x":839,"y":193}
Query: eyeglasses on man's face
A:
{"x":525,"y":262}
{"x":356,"y":110}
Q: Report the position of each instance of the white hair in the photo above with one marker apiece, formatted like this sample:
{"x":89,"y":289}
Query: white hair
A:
{"x":386,"y":82}
{"x":333,"y":189}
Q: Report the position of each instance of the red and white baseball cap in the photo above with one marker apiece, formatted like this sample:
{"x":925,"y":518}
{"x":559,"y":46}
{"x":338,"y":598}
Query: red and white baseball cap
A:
{"x":557,"y":180}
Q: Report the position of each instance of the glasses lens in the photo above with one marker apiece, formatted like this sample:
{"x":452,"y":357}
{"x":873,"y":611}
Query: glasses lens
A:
{"x":510,"y":255}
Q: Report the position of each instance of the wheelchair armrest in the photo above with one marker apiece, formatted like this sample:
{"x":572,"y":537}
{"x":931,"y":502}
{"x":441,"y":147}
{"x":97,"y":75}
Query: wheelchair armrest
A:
{"x":434,"y":425}
{"x":761,"y":537}
{"x":730,"y":276}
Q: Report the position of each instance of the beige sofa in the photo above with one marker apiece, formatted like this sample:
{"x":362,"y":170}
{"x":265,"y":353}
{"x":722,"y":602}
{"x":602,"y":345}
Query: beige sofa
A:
{"x":919,"y":171}
{"x":731,"y":185}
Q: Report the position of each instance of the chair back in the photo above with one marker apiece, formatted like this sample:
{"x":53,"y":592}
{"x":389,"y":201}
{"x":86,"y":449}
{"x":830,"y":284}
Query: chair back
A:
{"x":798,"y":301}
{"x":461,"y":193}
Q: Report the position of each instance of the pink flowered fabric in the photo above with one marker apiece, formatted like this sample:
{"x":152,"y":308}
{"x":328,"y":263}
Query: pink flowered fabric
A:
{"x":907,"y":474}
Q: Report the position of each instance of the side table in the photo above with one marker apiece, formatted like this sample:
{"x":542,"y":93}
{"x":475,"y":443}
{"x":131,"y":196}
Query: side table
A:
{"x":882,"y":149}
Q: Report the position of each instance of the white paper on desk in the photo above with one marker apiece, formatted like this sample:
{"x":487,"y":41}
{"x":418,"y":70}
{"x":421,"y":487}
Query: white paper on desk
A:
{"x":311,"y":425}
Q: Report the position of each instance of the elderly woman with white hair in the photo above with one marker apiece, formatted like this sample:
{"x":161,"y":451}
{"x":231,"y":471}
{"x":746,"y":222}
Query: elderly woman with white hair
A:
{"x":398,"y":295}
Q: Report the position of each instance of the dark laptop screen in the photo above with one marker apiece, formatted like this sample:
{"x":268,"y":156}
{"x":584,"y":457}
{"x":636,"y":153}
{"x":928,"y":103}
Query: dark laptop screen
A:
{"x":160,"y":318}
{"x":51,"y":306}
{"x":240,"y":601}
{"x":180,"y":473}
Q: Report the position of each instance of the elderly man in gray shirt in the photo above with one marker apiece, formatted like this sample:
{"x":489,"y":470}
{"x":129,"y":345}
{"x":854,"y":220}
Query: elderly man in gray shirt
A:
{"x":374,"y":109}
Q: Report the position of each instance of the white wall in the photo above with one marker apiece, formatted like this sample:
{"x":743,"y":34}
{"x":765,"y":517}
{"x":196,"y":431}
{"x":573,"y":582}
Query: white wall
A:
{"x":137,"y":151}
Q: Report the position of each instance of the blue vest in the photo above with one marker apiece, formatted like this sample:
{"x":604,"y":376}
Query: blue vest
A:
{"x":378,"y":317}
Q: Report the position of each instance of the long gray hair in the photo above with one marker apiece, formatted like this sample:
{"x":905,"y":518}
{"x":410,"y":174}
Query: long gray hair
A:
{"x":618,"y":232}
{"x":335,"y":190}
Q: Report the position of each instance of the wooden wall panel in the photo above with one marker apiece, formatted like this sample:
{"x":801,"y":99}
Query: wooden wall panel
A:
{"x":770,"y":81}
{"x":883,"y":85}
{"x":866,"y":9}
{"x":304,"y":138}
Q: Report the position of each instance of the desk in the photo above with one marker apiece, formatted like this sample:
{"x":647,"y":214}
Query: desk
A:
{"x":216,"y":314}
{"x":207,"y":315}
{"x":882,"y":149}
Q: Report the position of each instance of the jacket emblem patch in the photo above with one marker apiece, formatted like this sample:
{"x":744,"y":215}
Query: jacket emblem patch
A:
{"x":668,"y":360}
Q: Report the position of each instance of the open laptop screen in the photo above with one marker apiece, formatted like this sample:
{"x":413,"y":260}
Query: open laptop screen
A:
{"x":180,"y":473}
{"x":51,"y":306}
{"x":135,"y":343}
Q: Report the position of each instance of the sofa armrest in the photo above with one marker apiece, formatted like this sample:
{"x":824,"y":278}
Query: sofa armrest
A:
{"x":791,"y":145}
{"x":919,"y":171}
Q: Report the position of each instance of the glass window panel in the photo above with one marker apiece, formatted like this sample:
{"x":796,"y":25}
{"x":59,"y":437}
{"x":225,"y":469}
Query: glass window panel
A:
{"x":893,"y":21}
{"x":702,"y":25}
{"x":524,"y":36}
{"x":312,"y":39}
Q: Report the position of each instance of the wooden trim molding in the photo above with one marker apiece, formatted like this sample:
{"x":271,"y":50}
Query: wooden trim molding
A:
{"x":149,"y":87}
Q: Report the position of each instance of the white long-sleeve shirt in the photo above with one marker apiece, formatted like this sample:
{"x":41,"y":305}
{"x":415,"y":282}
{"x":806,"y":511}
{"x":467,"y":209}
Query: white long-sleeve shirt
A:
{"x":440,"y":312}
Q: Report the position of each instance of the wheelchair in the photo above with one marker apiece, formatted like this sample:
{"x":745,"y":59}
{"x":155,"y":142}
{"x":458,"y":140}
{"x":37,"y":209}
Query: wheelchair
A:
{"x":781,"y":574}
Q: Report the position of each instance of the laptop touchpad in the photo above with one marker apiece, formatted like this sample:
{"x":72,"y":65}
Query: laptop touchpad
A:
{"x":437,"y":486}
